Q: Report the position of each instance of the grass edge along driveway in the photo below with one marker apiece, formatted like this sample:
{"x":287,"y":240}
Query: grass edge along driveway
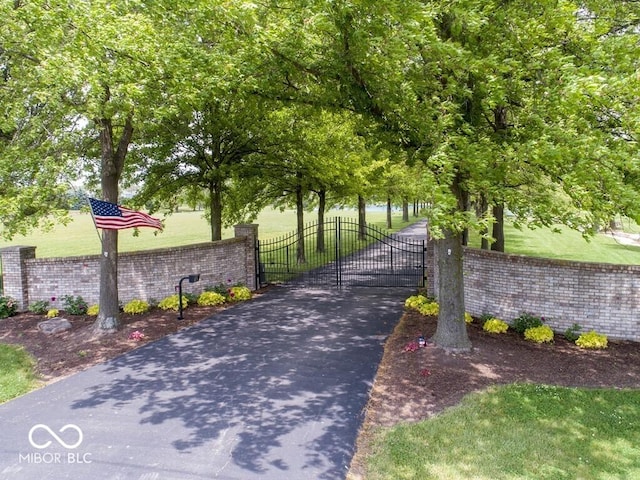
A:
{"x":518,"y":431}
{"x":17,"y":372}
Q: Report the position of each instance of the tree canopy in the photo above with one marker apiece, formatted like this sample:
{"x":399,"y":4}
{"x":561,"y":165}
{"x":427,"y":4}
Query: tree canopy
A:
{"x":501,"y":99}
{"x":518,"y":105}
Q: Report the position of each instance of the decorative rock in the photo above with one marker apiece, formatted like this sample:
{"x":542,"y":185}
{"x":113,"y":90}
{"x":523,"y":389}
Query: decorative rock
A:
{"x":54,"y":325}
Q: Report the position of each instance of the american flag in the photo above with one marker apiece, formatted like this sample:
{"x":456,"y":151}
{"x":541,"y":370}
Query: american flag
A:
{"x":110,"y":216}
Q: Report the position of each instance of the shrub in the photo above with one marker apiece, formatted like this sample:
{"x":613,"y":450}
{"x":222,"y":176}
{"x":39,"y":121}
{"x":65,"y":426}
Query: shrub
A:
{"x":484,"y":318}
{"x":525,"y":322}
{"x":238,"y":294}
{"x":191,"y":298}
{"x":541,"y":334}
{"x":136,"y":306}
{"x":495,"y":325}
{"x":571,"y":333}
{"x":172,"y":302}
{"x":93,"y":310}
{"x":52,"y":313}
{"x":220,"y":288}
{"x":40,"y":307}
{"x":592,"y":340}
{"x":429,"y":309}
{"x":8,"y":307}
{"x":207,"y":299}
{"x":415,"y":301}
{"x":468,"y":318}
{"x":74,"y":305}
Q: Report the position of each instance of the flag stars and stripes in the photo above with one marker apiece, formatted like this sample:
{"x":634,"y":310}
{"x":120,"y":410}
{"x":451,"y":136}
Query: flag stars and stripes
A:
{"x":110,"y":216}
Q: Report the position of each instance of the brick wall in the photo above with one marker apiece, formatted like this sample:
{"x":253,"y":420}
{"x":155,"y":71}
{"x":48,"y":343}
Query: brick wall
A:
{"x":14,"y":282}
{"x":146,"y":275}
{"x":597,"y":296}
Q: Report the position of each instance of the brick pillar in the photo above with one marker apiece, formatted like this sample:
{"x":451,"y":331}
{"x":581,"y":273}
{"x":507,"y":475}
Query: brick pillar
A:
{"x":250,"y":233}
{"x":15,"y":281}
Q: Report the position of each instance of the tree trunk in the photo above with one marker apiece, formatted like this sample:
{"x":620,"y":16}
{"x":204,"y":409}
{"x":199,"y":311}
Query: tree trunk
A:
{"x":615,"y":224}
{"x":322,"y":205}
{"x":482,"y":210}
{"x":498,"y":228}
{"x":109,"y":309}
{"x":112,"y":164}
{"x":389,"y":226}
{"x":464,"y":202}
{"x":362,"y":218}
{"x":215,"y":199}
{"x":500,"y":114}
{"x":405,"y":210}
{"x":451,"y":331}
{"x":300,"y":253}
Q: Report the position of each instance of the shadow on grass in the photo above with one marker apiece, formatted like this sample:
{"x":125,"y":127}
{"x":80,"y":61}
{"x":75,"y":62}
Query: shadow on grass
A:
{"x":521,"y":431}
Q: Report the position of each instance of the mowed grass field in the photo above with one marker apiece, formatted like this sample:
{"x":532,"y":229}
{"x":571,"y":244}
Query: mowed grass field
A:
{"x":567,"y":245}
{"x":183,"y":228}
{"x":189,"y":227}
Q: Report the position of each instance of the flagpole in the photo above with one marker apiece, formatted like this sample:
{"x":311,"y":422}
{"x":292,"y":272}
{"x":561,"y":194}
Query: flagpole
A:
{"x":95,"y":224}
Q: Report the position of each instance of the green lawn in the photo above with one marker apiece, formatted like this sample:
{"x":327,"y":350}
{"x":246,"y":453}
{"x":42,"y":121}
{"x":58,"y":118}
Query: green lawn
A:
{"x":518,"y":432}
{"x":567,"y":245}
{"x":16,"y":372}
{"x":183,"y":228}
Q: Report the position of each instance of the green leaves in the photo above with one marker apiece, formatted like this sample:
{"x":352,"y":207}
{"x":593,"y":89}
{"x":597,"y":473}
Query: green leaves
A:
{"x":529,"y":103}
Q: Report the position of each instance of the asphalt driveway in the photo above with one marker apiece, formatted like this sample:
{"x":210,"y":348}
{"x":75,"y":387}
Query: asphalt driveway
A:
{"x":270,"y":389}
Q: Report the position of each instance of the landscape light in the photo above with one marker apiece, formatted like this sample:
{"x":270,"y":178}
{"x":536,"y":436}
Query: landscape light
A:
{"x":192,"y":279}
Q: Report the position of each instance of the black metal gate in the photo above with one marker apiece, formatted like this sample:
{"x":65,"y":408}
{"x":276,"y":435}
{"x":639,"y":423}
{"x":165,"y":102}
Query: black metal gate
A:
{"x":339,"y":252}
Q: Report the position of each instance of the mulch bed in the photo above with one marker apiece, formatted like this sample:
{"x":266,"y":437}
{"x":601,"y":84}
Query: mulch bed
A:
{"x":415,"y":385}
{"x":78,"y":348}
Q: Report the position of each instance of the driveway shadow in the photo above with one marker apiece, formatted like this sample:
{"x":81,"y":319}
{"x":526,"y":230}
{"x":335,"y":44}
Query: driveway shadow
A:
{"x":272,"y":388}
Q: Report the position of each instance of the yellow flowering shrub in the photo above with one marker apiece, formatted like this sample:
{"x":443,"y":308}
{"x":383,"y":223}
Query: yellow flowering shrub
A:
{"x":237,"y":294}
{"x":415,"y":301}
{"x":136,"y":306}
{"x":495,"y":325}
{"x":541,"y":334}
{"x":52,"y":313}
{"x":93,"y":310}
{"x":468,"y":318}
{"x":208,"y":299}
{"x":172,"y":302}
{"x":592,"y":340}
{"x":429,"y":309}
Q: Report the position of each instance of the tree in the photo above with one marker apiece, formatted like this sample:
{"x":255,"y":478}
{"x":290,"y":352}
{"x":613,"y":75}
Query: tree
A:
{"x":207,"y":147}
{"x":317,"y":160}
{"x":209,"y":127}
{"x":342,"y":163}
{"x":31,"y":168}
{"x":483,"y":93}
{"x":397,"y":184}
{"x":526,"y":105}
{"x":95,"y":68}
